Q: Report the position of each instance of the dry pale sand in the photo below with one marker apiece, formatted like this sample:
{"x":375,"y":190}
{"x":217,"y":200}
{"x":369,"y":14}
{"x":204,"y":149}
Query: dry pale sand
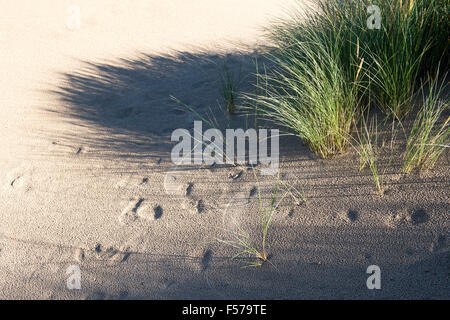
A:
{"x":86,"y":178}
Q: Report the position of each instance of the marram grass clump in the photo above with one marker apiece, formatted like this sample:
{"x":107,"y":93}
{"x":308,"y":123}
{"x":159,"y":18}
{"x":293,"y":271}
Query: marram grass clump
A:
{"x":330,"y":63}
{"x":307,"y":90}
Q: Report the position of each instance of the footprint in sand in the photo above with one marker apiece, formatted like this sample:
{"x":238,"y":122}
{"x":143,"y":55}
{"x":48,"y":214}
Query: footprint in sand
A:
{"x":175,"y":185}
{"x":19,"y":180}
{"x":111,"y":254}
{"x":418,"y":216}
{"x":96,"y":296}
{"x":415,"y":216}
{"x":190,"y":203}
{"x":132,"y":182}
{"x":349,"y":216}
{"x":139,"y":209}
{"x":394,"y":220}
{"x":123,"y":183}
{"x":158,"y":212}
{"x":194,"y":206}
{"x":352,"y":215}
{"x":172,"y":182}
{"x":131,"y":211}
{"x":200,"y":206}
{"x":79,"y":255}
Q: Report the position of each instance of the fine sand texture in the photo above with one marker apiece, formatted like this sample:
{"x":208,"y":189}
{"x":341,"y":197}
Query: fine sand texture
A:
{"x":86,"y":178}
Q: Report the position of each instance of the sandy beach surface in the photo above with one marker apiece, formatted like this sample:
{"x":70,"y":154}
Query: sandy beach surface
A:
{"x":86,"y":178}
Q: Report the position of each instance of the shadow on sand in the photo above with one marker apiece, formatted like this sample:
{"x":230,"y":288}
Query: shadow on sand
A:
{"x":124,"y":111}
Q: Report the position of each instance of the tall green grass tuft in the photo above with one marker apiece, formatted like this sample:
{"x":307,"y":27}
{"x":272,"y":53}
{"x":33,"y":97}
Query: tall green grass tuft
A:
{"x":328,"y":63}
{"x":307,"y":90}
{"x":404,"y":49}
{"x":229,"y":87}
{"x":411,"y":42}
{"x":256,"y":249}
{"x":367,"y":141}
{"x":429,"y":136}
